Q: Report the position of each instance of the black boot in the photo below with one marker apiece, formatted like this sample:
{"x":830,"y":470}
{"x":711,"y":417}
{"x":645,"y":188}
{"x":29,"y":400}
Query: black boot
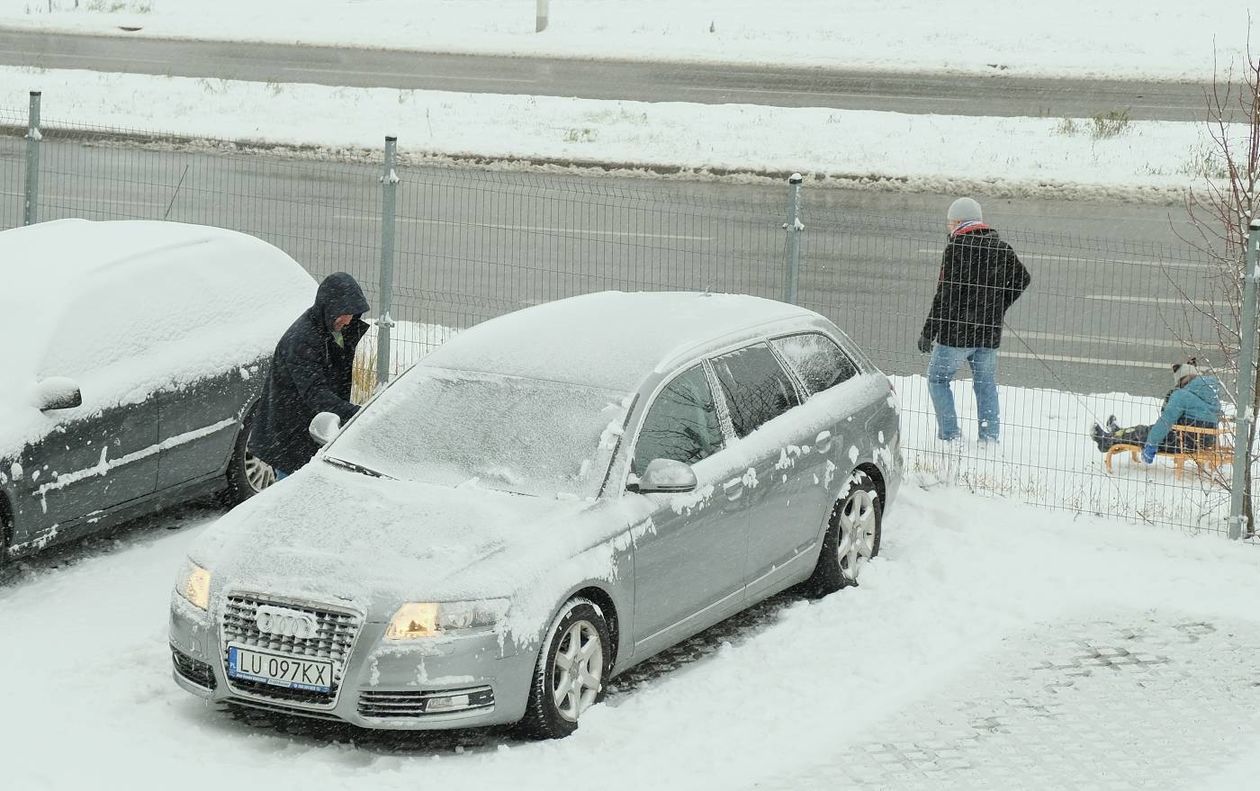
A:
{"x":1098,"y":435}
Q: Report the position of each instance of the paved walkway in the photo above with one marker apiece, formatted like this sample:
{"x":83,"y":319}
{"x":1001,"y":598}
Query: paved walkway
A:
{"x":1137,"y":701}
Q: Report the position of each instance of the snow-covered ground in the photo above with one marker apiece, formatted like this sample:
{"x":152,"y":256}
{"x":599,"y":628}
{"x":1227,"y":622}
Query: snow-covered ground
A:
{"x":991,"y":645}
{"x":929,"y":152}
{"x":1129,"y":38}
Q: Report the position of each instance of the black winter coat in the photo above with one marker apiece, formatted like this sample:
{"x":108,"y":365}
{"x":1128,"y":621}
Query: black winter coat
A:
{"x":980,"y":278}
{"x":309,"y":374}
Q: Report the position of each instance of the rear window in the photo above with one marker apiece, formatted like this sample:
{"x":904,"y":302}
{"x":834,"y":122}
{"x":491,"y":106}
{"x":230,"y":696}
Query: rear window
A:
{"x":818,"y":361}
{"x":756,"y":386}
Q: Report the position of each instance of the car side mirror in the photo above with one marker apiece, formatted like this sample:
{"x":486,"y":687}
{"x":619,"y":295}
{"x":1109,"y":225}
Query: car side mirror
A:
{"x":324,"y":427}
{"x":667,"y":476}
{"x":57,"y":392}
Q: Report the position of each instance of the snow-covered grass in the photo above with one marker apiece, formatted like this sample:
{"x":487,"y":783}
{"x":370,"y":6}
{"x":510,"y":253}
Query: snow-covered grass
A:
{"x":1046,"y":456}
{"x":916,"y":151}
{"x":1128,"y":38}
{"x":960,"y":580}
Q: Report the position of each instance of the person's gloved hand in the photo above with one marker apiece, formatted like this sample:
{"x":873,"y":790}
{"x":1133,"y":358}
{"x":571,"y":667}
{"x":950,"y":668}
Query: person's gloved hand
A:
{"x":925,"y":344}
{"x":1148,"y":454}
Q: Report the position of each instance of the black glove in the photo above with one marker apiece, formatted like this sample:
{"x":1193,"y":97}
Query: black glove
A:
{"x":925,"y":344}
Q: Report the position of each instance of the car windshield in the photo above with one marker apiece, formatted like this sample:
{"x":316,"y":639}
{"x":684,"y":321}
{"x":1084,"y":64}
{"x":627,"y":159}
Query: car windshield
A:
{"x":512,"y":434}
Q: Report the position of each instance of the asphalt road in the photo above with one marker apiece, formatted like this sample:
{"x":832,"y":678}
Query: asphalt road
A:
{"x":989,"y":95}
{"x":1107,"y":310}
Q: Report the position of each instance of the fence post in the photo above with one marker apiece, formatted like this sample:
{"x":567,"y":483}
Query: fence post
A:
{"x":389,"y":187}
{"x":1247,"y":340}
{"x":30,"y":208}
{"x":794,"y":226}
{"x":541,"y":16}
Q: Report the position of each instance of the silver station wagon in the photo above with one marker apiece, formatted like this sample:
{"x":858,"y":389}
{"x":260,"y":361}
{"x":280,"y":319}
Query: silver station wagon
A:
{"x":548,"y":499}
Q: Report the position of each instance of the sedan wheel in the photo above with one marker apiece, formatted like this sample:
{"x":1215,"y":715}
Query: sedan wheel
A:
{"x":258,"y":473}
{"x":852,"y":538}
{"x":575,"y":659}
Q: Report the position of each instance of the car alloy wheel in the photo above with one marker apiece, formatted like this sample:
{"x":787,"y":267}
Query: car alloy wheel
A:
{"x":858,"y":524}
{"x":577,"y":670}
{"x":258,"y":473}
{"x":575,"y":658}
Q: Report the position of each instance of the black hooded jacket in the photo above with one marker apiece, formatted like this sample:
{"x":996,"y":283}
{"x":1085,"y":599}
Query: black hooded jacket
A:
{"x":980,"y":278}
{"x":310,"y":373}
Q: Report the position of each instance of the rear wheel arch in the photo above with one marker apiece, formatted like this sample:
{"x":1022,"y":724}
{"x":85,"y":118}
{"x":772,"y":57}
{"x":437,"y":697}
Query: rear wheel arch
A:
{"x":876,"y":477}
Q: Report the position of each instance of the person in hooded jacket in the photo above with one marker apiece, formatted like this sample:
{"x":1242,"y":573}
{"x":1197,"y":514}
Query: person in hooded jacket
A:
{"x":1195,"y":401}
{"x":980,"y":278}
{"x":311,"y":372}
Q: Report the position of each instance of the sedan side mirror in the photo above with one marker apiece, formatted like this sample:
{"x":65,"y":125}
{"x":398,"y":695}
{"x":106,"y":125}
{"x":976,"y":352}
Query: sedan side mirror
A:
{"x":57,"y":392}
{"x":667,"y":476}
{"x":324,"y":427}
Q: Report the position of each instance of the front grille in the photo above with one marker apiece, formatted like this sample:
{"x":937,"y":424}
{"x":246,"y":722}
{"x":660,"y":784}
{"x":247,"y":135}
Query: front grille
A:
{"x":191,"y":670}
{"x":334,"y":639}
{"x":383,"y":705}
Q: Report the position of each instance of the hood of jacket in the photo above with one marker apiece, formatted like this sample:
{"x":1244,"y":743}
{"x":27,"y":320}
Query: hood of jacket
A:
{"x":339,"y":295}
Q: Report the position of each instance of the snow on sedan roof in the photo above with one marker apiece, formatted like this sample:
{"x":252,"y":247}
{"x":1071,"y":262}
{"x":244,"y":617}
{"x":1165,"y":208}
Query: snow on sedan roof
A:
{"x":611,"y":339}
{"x":127,"y":308}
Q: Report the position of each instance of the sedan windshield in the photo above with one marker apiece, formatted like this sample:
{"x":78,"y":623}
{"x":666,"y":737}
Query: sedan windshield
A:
{"x":453,"y":428}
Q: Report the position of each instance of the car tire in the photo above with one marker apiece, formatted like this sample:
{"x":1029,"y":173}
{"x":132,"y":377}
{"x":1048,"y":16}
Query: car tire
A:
{"x":852,"y":538}
{"x":247,"y":475}
{"x":573,"y":665}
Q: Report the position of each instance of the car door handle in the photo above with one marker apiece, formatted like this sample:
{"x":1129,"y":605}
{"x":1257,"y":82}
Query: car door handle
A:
{"x":733,"y":489}
{"x":823,"y":442}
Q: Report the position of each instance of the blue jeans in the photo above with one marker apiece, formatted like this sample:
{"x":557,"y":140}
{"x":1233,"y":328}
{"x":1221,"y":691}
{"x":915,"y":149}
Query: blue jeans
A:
{"x":280,"y":474}
{"x":944,"y":363}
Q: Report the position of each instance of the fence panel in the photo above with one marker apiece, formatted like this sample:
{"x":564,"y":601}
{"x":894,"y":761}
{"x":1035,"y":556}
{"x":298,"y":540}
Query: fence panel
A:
{"x":1092,"y":337}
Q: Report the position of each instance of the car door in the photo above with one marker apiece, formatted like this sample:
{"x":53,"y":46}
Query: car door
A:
{"x":761,"y":396}
{"x":88,"y":463}
{"x":199,"y":422}
{"x":819,"y":365}
{"x":689,"y":565}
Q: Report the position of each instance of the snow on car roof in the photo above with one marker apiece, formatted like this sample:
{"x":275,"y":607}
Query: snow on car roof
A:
{"x":125,"y":308}
{"x":611,"y":339}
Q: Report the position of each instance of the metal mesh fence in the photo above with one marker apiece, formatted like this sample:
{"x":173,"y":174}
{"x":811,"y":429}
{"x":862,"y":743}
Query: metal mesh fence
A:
{"x":1091,"y":338}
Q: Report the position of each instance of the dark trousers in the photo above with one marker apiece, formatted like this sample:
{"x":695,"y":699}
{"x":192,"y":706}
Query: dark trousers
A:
{"x":1175,"y":442}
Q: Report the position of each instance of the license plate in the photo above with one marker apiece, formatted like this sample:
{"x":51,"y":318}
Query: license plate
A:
{"x":279,"y":670}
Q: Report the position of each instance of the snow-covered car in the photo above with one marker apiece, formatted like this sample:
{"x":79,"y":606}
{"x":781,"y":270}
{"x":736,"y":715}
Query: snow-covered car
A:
{"x":137,"y":351}
{"x":546,"y":500}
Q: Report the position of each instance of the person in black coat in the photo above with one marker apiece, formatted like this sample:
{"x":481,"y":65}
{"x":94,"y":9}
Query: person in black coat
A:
{"x":310,"y":373}
{"x":981,"y":277}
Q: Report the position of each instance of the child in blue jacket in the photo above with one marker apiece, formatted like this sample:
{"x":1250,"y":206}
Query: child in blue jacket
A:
{"x":1195,"y":401}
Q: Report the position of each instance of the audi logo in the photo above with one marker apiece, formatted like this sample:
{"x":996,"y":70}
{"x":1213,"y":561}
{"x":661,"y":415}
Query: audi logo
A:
{"x":286,"y":623}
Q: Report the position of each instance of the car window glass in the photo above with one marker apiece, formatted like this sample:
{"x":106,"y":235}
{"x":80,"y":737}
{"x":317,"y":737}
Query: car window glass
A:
{"x":682,"y":423}
{"x":817,"y":359}
{"x":756,"y":386}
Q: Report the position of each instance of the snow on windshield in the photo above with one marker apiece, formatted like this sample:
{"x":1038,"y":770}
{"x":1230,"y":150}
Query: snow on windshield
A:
{"x":512,"y":434}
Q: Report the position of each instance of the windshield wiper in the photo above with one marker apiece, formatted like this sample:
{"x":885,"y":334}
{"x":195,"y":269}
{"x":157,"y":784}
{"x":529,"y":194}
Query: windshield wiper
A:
{"x":349,"y":465}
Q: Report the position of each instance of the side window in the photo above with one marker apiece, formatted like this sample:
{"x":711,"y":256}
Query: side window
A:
{"x":682,"y":424}
{"x":819,"y":361}
{"x":756,"y":386}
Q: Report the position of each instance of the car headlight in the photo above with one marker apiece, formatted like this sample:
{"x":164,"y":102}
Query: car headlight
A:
{"x":428,"y":619}
{"x":194,"y":585}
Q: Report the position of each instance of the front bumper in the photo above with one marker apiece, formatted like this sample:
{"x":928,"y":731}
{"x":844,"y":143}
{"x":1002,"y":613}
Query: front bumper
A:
{"x":463,"y":682}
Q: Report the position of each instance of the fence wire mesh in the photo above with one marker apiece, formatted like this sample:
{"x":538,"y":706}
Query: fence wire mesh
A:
{"x":1091,"y":338}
